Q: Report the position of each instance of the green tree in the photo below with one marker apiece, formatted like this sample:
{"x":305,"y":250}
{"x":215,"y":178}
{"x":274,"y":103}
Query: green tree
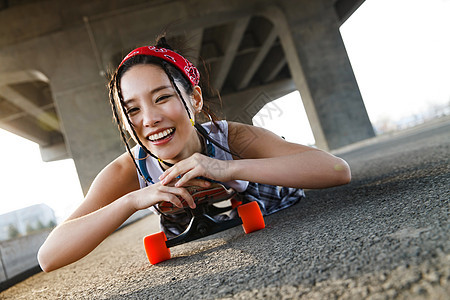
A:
{"x":29,"y":229}
{"x":51,"y":224}
{"x":13,"y":232}
{"x":39,"y":225}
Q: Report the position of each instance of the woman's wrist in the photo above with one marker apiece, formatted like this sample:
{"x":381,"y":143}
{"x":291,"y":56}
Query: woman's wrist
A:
{"x":237,"y":169}
{"x":129,"y":202}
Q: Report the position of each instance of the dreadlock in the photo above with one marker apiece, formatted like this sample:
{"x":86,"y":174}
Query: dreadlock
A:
{"x":121,"y":129}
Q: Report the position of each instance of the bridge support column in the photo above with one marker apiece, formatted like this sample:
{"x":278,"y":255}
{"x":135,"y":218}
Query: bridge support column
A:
{"x":91,"y":135}
{"x":321,"y":70}
{"x":81,"y":96}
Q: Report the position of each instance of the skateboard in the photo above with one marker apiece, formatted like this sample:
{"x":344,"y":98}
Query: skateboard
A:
{"x":203,"y":223}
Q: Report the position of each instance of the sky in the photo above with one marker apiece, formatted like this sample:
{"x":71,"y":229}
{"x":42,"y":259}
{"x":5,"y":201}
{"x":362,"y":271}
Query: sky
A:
{"x":399,"y":54}
{"x":26,"y":180}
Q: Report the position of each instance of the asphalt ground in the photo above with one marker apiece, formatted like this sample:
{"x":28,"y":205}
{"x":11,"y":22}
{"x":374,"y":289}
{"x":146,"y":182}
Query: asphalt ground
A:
{"x":383,"y":236}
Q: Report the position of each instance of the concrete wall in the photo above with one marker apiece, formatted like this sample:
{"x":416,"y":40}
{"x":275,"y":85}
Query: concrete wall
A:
{"x":19,"y":255}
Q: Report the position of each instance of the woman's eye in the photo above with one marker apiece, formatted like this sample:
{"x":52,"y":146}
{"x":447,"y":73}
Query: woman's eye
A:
{"x":162,"y":98}
{"x":131,"y":110}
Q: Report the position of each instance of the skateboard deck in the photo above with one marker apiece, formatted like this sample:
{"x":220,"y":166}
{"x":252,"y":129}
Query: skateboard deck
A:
{"x":213,"y":194}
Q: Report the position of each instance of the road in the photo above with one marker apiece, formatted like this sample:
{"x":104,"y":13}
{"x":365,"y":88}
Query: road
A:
{"x":384,"y":236}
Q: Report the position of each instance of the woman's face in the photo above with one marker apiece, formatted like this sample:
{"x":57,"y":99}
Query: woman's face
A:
{"x":158,"y":114}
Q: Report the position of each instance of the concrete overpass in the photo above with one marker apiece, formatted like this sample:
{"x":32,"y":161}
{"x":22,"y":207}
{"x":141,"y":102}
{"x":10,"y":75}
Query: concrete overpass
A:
{"x":55,"y":57}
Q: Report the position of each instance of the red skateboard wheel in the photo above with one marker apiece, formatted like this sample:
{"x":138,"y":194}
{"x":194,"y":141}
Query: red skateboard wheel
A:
{"x":156,"y":248}
{"x":251,"y":216}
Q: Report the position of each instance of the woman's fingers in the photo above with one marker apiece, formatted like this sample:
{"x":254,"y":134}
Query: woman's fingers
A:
{"x":179,"y":169}
{"x":156,"y":193}
{"x":172,"y":199}
{"x":185,"y":170}
{"x":197,"y":182}
{"x":172,"y":193}
{"x":170,"y":174}
{"x":189,"y":178}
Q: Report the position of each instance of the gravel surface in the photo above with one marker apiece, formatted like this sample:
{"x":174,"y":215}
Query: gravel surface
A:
{"x":384,"y":236}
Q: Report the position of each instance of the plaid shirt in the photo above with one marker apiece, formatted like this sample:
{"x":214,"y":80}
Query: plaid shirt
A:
{"x":272,"y":198}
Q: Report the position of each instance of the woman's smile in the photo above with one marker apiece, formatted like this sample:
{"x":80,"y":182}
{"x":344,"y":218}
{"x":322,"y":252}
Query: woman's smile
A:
{"x":162,"y":137}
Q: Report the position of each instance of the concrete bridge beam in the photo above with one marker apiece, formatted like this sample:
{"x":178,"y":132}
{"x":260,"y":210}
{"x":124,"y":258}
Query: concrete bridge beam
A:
{"x":321,"y":70}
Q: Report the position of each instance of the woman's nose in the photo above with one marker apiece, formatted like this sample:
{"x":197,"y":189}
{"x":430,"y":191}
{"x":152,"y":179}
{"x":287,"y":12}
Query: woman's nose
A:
{"x":151,"y":117}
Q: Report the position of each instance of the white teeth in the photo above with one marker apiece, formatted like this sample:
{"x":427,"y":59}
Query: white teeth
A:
{"x":160,"y":135}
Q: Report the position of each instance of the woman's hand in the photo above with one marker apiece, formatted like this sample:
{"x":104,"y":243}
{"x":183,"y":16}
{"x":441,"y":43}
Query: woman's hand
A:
{"x":158,"y":192}
{"x":197,"y":165}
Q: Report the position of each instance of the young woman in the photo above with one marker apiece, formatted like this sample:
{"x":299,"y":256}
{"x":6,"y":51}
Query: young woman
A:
{"x":156,"y":98}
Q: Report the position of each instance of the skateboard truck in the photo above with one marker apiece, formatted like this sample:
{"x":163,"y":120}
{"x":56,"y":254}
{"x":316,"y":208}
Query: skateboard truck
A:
{"x":202,"y":224}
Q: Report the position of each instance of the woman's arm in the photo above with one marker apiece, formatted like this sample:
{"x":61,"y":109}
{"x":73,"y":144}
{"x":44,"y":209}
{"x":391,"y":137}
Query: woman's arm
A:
{"x":113,"y":197}
{"x":265,"y":158}
{"x":106,"y":206}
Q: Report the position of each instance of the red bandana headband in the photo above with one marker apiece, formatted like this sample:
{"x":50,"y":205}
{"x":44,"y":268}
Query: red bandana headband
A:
{"x":170,"y":56}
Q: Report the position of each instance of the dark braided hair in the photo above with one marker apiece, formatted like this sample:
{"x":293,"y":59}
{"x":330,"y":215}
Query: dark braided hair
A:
{"x":176,"y":78}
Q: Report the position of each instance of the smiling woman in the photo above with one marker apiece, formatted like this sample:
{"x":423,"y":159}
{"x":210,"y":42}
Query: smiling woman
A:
{"x":388,"y":60}
{"x":156,"y":99}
